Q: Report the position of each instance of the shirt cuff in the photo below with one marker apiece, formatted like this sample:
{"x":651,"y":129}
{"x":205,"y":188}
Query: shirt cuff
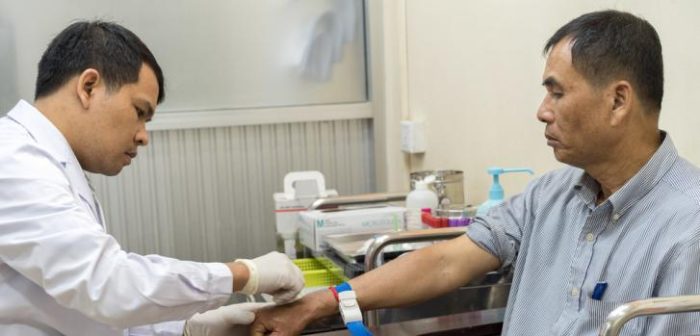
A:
{"x":484,"y":237}
{"x":481,"y":235}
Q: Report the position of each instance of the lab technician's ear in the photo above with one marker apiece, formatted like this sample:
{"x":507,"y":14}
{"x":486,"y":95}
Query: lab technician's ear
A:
{"x":621,"y":101}
{"x":87,"y":82}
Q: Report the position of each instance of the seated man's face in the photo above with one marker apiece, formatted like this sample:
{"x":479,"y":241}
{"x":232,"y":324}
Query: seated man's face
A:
{"x":576,"y":113}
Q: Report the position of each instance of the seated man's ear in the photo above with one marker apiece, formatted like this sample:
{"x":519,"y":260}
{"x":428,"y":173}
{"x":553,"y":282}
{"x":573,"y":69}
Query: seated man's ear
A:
{"x":621,"y":102}
{"x":87,"y":82}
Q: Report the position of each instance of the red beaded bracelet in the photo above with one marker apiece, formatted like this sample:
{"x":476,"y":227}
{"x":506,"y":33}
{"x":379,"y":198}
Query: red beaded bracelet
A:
{"x":335,"y":293}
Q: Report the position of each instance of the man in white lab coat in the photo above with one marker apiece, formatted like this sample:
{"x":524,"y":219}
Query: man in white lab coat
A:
{"x":60,"y":272}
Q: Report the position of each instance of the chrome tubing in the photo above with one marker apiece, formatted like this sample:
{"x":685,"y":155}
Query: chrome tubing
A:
{"x":357,"y":199}
{"x":374,"y":251}
{"x":654,"y":306}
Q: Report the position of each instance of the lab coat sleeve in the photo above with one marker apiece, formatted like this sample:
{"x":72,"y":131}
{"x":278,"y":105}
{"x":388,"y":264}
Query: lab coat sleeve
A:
{"x":46,"y":236}
{"x":170,"y":328}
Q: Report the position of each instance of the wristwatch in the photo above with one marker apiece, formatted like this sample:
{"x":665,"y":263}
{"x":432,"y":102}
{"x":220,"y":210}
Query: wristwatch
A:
{"x":350,"y":310}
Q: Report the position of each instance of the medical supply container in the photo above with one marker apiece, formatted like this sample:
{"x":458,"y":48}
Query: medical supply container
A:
{"x":316,"y":224}
{"x":418,"y":199}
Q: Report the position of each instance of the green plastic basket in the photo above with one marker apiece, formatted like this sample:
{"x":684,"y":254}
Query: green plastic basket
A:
{"x":320,"y":272}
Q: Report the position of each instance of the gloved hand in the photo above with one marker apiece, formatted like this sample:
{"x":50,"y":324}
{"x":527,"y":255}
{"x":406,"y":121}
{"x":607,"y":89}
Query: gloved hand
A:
{"x":274,"y":274}
{"x":231,"y":320}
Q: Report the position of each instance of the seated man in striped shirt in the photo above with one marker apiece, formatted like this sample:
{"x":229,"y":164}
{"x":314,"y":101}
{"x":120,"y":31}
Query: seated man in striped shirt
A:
{"x":624,"y":214}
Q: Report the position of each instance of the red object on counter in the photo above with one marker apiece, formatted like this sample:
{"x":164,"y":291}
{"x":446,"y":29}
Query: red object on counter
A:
{"x":438,"y":222}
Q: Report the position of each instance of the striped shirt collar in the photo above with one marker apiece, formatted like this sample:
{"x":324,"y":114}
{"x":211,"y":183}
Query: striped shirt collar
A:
{"x":635,"y":188}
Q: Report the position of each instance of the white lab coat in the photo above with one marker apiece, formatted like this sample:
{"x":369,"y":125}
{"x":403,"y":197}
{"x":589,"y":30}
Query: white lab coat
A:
{"x":60,"y":272}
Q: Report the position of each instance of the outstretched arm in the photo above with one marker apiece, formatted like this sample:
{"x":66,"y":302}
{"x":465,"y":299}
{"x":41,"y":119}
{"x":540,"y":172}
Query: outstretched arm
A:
{"x":412,"y":278}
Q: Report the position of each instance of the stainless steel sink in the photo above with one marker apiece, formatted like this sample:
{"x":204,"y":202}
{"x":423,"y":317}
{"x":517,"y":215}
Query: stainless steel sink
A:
{"x":474,"y":309}
{"x":485,"y":294}
{"x":489,"y":294}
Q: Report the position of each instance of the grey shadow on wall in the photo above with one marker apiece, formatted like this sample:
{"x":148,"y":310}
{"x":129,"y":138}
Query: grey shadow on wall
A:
{"x":8,"y":68}
{"x":329,"y":33}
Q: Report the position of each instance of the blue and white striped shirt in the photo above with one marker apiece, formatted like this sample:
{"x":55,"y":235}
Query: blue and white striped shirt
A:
{"x":644,"y":241}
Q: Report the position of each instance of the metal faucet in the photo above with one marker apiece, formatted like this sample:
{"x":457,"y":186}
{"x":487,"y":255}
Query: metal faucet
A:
{"x":654,"y":306}
{"x":374,"y":251}
{"x":357,"y":199}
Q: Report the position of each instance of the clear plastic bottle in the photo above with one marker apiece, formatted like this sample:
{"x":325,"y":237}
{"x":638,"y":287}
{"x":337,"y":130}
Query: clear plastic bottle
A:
{"x":420,"y":198}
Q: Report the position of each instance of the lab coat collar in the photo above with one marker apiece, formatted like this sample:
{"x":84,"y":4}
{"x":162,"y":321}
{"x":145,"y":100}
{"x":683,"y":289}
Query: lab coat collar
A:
{"x":45,"y":133}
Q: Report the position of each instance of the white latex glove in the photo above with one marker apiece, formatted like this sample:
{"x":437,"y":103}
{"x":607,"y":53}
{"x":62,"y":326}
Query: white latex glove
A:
{"x":231,"y":320}
{"x":273,"y":274}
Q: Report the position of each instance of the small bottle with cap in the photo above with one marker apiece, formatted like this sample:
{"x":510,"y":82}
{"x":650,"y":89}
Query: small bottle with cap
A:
{"x":417,"y":200}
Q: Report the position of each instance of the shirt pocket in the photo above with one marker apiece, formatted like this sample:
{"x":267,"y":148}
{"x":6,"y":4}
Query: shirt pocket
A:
{"x":598,"y":311}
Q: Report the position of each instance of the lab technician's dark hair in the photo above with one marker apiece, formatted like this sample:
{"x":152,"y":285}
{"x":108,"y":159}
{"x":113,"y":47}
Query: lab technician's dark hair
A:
{"x":107,"y":47}
{"x":611,"y":45}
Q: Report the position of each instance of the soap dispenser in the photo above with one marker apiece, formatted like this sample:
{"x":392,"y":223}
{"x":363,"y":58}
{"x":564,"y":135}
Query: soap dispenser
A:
{"x":496,"y":193}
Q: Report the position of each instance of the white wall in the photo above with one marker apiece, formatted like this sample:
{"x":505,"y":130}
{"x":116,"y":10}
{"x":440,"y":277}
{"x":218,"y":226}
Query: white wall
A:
{"x":206,"y":194}
{"x":473,"y":73}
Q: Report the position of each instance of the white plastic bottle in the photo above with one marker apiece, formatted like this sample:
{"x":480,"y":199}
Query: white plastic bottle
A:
{"x":420,"y":198}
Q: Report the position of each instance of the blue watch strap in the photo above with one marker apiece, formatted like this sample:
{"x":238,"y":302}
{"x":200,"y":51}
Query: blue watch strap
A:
{"x":343,"y":287}
{"x":358,"y":329}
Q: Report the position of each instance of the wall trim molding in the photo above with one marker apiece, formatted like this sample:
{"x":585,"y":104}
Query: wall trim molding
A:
{"x":188,"y":119}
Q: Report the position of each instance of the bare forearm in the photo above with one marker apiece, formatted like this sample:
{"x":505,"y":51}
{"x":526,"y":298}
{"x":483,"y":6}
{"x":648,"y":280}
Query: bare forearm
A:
{"x":240,"y":275}
{"x":423,"y":274}
{"x":412,"y":278}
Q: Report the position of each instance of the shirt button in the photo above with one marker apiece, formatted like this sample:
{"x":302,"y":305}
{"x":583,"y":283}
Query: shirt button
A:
{"x":615,"y":217}
{"x":590,"y":237}
{"x":574,"y":292}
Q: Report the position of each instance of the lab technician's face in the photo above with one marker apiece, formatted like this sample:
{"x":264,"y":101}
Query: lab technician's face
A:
{"x":119,"y":124}
{"x":573,"y":111}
